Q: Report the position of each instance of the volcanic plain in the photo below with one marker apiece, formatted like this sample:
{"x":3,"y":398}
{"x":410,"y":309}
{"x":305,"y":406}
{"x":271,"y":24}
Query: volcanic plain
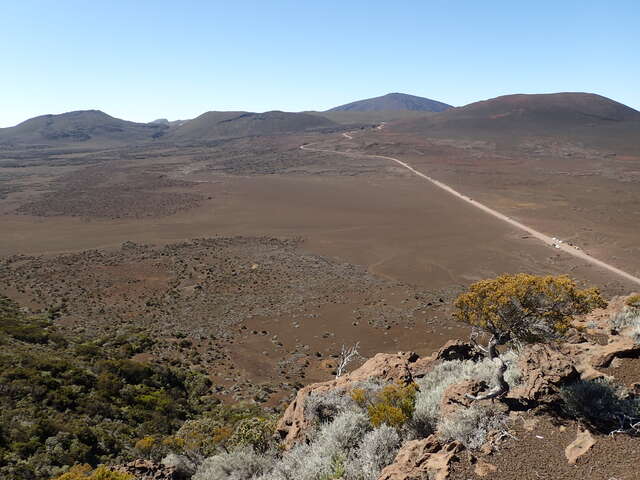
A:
{"x":255,"y":260}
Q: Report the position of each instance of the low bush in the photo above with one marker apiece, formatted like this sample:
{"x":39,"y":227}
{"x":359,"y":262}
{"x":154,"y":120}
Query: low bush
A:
{"x":377,"y":450}
{"x":633,"y":301}
{"x":432,"y":386}
{"x":602,"y":404}
{"x":84,"y":472}
{"x":242,"y":464}
{"x":392,"y":406}
{"x":324,"y":407}
{"x":255,"y":432}
{"x":333,"y":442}
{"x":470,"y":426}
{"x":627,"y":318}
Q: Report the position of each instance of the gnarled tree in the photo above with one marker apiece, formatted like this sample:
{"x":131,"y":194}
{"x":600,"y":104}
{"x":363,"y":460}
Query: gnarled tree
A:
{"x":522,"y":308}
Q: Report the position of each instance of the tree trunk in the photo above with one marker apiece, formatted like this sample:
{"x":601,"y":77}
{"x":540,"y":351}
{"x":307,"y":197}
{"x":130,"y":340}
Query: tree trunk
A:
{"x":501,"y":386}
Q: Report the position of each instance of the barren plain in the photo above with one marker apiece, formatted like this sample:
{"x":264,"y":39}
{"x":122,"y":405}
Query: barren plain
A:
{"x":299,"y":252}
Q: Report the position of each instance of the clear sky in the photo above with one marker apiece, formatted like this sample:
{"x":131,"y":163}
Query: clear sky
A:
{"x":141,"y":59}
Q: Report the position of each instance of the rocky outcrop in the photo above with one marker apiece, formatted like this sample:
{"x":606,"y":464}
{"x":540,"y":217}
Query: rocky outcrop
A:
{"x":456,"y":396}
{"x":148,"y":470}
{"x":420,"y":459}
{"x":601,"y":356}
{"x":385,"y":367}
{"x":402,"y":366}
{"x":543,"y":370}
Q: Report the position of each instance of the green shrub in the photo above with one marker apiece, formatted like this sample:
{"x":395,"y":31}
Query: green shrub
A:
{"x":79,"y":402}
{"x":254,"y":432}
{"x":393,"y":405}
{"x":84,"y":472}
{"x":14,"y":323}
{"x":633,"y":301}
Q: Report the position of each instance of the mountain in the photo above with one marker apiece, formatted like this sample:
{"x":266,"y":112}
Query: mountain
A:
{"x":217,"y":125}
{"x":533,"y":114}
{"x":78,"y":127}
{"x":167,"y":123}
{"x":393,"y":101}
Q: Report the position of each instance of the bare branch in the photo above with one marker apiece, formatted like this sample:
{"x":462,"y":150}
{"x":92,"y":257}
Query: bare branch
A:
{"x":347,"y":355}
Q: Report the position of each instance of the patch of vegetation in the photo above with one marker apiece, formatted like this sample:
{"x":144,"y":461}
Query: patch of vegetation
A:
{"x":427,"y":415}
{"x":633,"y":301}
{"x":470,"y":426}
{"x":628,"y":318}
{"x":68,"y":401}
{"x":255,"y":432}
{"x":525,"y":308}
{"x":392,"y":406}
{"x":603,"y":405}
{"x":85,"y":472}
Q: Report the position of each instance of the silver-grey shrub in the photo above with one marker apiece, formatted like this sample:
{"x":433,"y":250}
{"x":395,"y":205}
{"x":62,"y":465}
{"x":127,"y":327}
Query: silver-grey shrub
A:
{"x":627,"y":317}
{"x":471,"y":425}
{"x":321,"y":407}
{"x":432,"y":386}
{"x":635,"y":333}
{"x":330,"y":447}
{"x":377,"y":450}
{"x":242,"y":464}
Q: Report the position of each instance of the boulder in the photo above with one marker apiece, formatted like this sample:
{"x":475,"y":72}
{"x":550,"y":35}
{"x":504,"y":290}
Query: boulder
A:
{"x":543,"y":371}
{"x":482,"y":468}
{"x":142,"y":469}
{"x":420,"y":459}
{"x":581,"y":445}
{"x":603,"y":355}
{"x":455,"y":396}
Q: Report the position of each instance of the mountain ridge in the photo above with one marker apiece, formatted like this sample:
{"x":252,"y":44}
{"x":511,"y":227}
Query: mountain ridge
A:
{"x":216,"y":125}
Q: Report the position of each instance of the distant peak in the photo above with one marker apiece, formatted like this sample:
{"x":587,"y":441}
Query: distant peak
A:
{"x":394,"y":101}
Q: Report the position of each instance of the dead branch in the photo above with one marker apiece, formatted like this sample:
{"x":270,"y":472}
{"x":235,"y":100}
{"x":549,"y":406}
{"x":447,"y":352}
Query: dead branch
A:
{"x":347,"y":355}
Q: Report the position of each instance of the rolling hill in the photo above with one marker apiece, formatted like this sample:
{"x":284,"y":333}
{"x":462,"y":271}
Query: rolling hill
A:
{"x":219,"y":125}
{"x":393,"y":102}
{"x":79,"y":127}
{"x":528,"y":114}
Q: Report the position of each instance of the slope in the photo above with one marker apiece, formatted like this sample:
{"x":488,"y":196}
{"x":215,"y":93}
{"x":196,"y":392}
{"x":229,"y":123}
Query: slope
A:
{"x":78,"y":127}
{"x":219,"y":125}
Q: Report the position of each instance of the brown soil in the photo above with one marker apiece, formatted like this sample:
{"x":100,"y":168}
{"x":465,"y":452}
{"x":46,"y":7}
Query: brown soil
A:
{"x":625,"y":370}
{"x":251,"y":311}
{"x":539,"y":454}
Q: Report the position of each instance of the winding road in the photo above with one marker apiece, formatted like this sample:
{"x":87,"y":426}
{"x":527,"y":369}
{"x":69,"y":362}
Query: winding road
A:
{"x":546,"y":239}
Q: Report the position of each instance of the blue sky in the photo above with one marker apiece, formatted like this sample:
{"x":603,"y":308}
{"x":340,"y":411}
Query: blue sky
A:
{"x":142,"y":60}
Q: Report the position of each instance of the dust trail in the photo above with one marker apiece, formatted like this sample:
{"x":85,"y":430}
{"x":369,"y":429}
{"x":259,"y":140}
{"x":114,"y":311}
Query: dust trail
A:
{"x":534,"y":233}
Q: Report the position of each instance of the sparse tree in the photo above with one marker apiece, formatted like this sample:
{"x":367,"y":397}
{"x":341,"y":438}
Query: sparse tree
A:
{"x":522,"y":308}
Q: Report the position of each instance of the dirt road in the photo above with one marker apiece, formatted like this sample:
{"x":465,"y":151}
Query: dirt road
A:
{"x":550,"y":241}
